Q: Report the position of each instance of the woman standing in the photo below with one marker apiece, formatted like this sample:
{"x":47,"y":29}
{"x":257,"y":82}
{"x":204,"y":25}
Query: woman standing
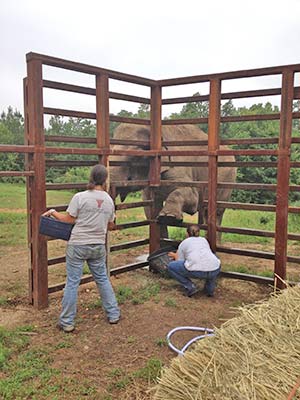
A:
{"x":92,"y":213}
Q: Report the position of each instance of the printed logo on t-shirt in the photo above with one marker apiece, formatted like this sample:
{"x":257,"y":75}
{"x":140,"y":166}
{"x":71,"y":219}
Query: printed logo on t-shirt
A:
{"x":99,"y":203}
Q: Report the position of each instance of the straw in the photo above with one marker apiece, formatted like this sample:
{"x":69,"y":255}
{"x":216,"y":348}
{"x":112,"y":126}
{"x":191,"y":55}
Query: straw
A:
{"x":255,"y":356}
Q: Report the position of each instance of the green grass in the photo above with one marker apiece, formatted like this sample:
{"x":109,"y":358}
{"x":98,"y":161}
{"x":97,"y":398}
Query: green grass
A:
{"x":14,"y":196}
{"x":13,"y":229}
{"x":26,"y":371}
{"x":161,"y":342}
{"x":170,"y":302}
{"x":123,"y":293}
{"x":149,"y":373}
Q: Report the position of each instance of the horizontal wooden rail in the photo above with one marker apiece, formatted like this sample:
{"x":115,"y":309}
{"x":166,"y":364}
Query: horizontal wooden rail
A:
{"x":113,"y":272}
{"x":135,"y":152}
{"x":97,"y":151}
{"x":4,"y":174}
{"x":56,"y":260}
{"x":137,"y":121}
{"x":10,"y":148}
{"x":90,"y":115}
{"x":131,"y":225}
{"x":255,"y":254}
{"x":129,"y":245}
{"x":226,"y":185}
{"x":230,"y":95}
{"x":170,"y":143}
{"x":65,"y":186}
{"x":295,"y":260}
{"x":91,"y":91}
{"x":126,"y":97}
{"x":129,"y":183}
{"x":246,"y":231}
{"x":144,"y":143}
{"x":248,"y":253}
{"x":88,"y":69}
{"x":69,"y":139}
{"x":241,"y":186}
{"x":70,"y":163}
{"x":255,"y":186}
{"x":229,"y":75}
{"x":247,"y":277}
{"x":251,"y":206}
{"x":237,"y":118}
{"x":122,"y":206}
{"x":69,"y":113}
{"x":221,"y":164}
{"x":255,"y":232}
{"x":184,"y":121}
{"x":113,"y":248}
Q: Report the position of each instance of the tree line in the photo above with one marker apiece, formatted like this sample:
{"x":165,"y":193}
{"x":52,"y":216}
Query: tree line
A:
{"x":12,"y":132}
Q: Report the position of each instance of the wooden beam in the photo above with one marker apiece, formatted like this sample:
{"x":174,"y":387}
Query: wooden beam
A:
{"x":155,"y":163}
{"x":34,"y":136}
{"x":213,"y":146}
{"x":283,"y":176}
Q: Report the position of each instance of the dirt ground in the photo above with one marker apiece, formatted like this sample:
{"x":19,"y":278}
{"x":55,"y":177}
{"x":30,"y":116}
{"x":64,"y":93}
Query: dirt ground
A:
{"x":97,"y":349}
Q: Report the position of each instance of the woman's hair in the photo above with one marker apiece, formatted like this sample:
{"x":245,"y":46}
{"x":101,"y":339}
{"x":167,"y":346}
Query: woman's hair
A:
{"x":193,"y":230}
{"x":98,"y":176}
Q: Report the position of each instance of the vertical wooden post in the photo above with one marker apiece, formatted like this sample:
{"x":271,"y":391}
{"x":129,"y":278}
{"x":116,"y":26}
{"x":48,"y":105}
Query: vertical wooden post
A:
{"x":34,"y":135}
{"x":283,"y":175}
{"x":102,"y":133}
{"x":102,"y":112}
{"x":213,"y":145}
{"x":155,"y":163}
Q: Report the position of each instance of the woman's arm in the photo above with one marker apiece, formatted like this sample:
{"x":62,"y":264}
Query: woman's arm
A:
{"x":59,"y":216}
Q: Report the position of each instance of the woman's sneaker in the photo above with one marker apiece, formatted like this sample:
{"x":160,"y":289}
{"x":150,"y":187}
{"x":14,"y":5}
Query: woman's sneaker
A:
{"x":114,"y":321}
{"x":66,"y":328}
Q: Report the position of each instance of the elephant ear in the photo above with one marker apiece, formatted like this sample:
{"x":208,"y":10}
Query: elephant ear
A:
{"x":165,"y":168}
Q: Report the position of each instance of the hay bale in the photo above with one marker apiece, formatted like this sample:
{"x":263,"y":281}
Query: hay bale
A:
{"x":253,"y":356}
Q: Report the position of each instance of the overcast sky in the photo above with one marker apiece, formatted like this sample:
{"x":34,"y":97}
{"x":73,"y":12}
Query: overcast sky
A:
{"x":155,"y":39}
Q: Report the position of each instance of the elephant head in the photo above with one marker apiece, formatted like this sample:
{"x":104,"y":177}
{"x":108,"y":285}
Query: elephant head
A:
{"x":173,"y":200}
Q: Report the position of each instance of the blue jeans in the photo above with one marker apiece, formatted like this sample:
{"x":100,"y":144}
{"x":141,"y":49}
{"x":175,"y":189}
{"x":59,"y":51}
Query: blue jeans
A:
{"x":178,"y":271}
{"x":95,"y":256}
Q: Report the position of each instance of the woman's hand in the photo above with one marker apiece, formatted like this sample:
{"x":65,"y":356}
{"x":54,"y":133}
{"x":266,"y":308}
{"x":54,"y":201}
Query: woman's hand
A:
{"x":61,"y":217}
{"x":48,"y":213}
{"x":172,"y":255}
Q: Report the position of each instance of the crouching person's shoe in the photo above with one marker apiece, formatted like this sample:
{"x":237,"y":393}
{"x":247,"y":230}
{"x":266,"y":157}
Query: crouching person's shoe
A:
{"x":192,"y":292}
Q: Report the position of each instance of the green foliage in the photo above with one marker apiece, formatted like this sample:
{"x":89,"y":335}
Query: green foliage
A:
{"x":177,"y":233}
{"x":11,"y":132}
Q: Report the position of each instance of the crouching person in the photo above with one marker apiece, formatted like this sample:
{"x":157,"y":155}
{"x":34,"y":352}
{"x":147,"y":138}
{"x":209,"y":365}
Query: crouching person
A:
{"x":194,"y":259}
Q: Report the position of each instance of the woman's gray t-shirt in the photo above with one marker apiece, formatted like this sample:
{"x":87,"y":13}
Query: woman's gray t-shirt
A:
{"x":93,"y":209}
{"x":197,"y":254}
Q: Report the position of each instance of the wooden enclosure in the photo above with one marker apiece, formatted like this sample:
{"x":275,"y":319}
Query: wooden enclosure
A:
{"x":39,"y":157}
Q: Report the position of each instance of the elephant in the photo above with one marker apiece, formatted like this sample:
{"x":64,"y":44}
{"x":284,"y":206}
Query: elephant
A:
{"x":170,"y":201}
